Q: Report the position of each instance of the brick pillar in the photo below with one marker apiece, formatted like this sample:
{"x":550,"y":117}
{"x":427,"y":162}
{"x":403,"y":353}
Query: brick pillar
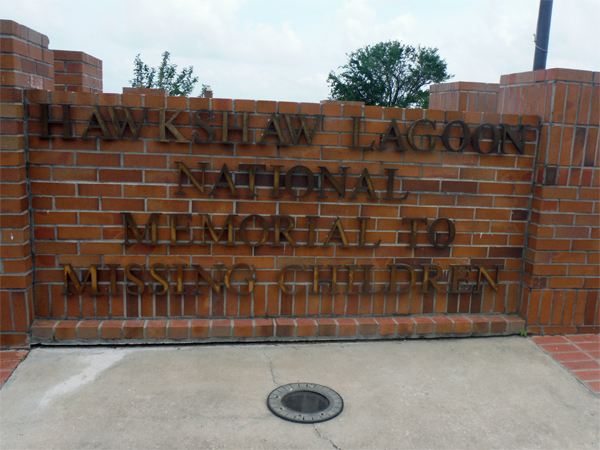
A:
{"x":561,"y":270}
{"x":464,"y":96}
{"x":77,"y":71}
{"x":26,"y":63}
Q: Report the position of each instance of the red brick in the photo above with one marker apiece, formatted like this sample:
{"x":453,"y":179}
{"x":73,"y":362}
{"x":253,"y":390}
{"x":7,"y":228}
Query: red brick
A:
{"x":65,"y":329}
{"x":243,"y":328}
{"x":327,"y":327}
{"x":221,"y":328}
{"x":424,"y":325}
{"x":285,"y":327}
{"x":366,"y":326}
{"x":306,"y":327}
{"x":347,"y":327}
{"x":263,"y":327}
{"x":134,"y":329}
{"x":200,"y":328}
{"x":156,"y":329}
{"x":111,"y":329}
{"x":178,"y":329}
{"x":443,"y":325}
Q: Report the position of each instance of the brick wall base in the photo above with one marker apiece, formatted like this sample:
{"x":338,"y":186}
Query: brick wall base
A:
{"x":111,"y":332}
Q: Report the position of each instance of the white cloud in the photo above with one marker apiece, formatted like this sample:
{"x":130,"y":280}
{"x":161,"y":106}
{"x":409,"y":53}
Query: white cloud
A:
{"x":277,"y":50}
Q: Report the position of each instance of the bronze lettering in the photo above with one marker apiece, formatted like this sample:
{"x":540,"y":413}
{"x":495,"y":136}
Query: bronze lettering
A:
{"x":175,"y":228}
{"x":250,"y":280}
{"x":225,"y":173}
{"x":159,"y":278}
{"x":151,"y":225}
{"x":414,"y":224}
{"x":394,"y":275}
{"x":210,"y":131}
{"x":91,"y":275}
{"x":464,"y":140}
{"x":179,"y":275}
{"x":131,"y":277}
{"x":113,"y":279}
{"x":244,"y":127}
{"x":364,"y":178}
{"x":310,"y":242}
{"x":390,"y":186}
{"x":340,"y":188}
{"x":265,"y":230}
{"x":273,"y":123}
{"x":128,"y":122}
{"x":356,"y":131}
{"x":310,"y":181}
{"x":427,"y":279}
{"x":478,"y":134}
{"x":460,"y":272}
{"x":252,"y":177}
{"x":291,"y":223}
{"x":183,"y":170}
{"x":432,"y":233}
{"x":337,"y":225}
{"x":276,"y":176}
{"x":367,"y":281}
{"x":350,"y":281}
{"x":392,"y":133}
{"x":214,"y":284}
{"x":308,"y":134}
{"x":519,"y":143}
{"x":207,"y":224}
{"x":315,"y":289}
{"x":411,"y":131}
{"x":65,"y":121}
{"x":281,"y":278}
{"x":362,"y":235}
{"x":164,"y":125}
{"x":482,"y":272}
{"x":100,"y":123}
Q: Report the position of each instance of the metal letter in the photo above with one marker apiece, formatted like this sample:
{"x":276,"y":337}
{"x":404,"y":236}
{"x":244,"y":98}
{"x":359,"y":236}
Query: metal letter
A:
{"x":130,"y":224}
{"x":79,"y":286}
{"x":427,"y":279}
{"x":411,"y":131}
{"x":464,"y":140}
{"x":432,"y":233}
{"x":65,"y":121}
{"x":414,"y":224}
{"x":165,"y":125}
{"x":265,"y":230}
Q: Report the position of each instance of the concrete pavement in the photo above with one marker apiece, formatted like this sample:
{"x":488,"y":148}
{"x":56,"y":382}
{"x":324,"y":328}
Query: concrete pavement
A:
{"x":500,"y":393}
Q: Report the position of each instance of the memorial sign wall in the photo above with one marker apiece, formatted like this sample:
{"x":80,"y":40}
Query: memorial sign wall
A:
{"x":139,"y":216}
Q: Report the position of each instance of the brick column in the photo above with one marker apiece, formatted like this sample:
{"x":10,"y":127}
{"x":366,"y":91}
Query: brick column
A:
{"x":26,"y":63}
{"x":77,"y":71}
{"x":560,"y":273}
{"x":464,"y":96}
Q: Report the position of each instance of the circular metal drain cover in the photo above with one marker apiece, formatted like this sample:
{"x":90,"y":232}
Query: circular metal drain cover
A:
{"x":305,"y":402}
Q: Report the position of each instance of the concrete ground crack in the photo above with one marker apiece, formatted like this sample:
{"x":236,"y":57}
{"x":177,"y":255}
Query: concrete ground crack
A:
{"x":271,"y":368}
{"x":326,"y":439}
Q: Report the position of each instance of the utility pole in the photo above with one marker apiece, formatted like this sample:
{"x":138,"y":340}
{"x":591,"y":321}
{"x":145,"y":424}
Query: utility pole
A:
{"x":542,"y":35}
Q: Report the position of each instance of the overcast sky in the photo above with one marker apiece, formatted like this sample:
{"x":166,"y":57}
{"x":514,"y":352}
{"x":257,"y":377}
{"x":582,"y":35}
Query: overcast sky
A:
{"x":284,"y":50}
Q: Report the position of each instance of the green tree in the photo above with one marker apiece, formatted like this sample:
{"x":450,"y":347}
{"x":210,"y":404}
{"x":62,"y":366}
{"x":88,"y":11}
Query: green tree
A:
{"x":389,"y":74}
{"x":164,"y":76}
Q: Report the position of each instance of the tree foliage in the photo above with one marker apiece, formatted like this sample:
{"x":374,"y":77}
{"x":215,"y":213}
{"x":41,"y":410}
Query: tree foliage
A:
{"x":164,"y":76}
{"x":389,"y":74}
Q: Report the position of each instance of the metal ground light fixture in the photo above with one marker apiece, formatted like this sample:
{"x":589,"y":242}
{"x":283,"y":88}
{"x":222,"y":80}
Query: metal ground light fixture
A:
{"x":305,"y":402}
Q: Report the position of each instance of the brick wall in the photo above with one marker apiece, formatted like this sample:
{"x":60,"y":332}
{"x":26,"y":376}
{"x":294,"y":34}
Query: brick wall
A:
{"x":81,"y":188}
{"x":26,"y":63}
{"x":561,"y":271}
{"x":77,"y":71}
{"x":464,"y":96}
